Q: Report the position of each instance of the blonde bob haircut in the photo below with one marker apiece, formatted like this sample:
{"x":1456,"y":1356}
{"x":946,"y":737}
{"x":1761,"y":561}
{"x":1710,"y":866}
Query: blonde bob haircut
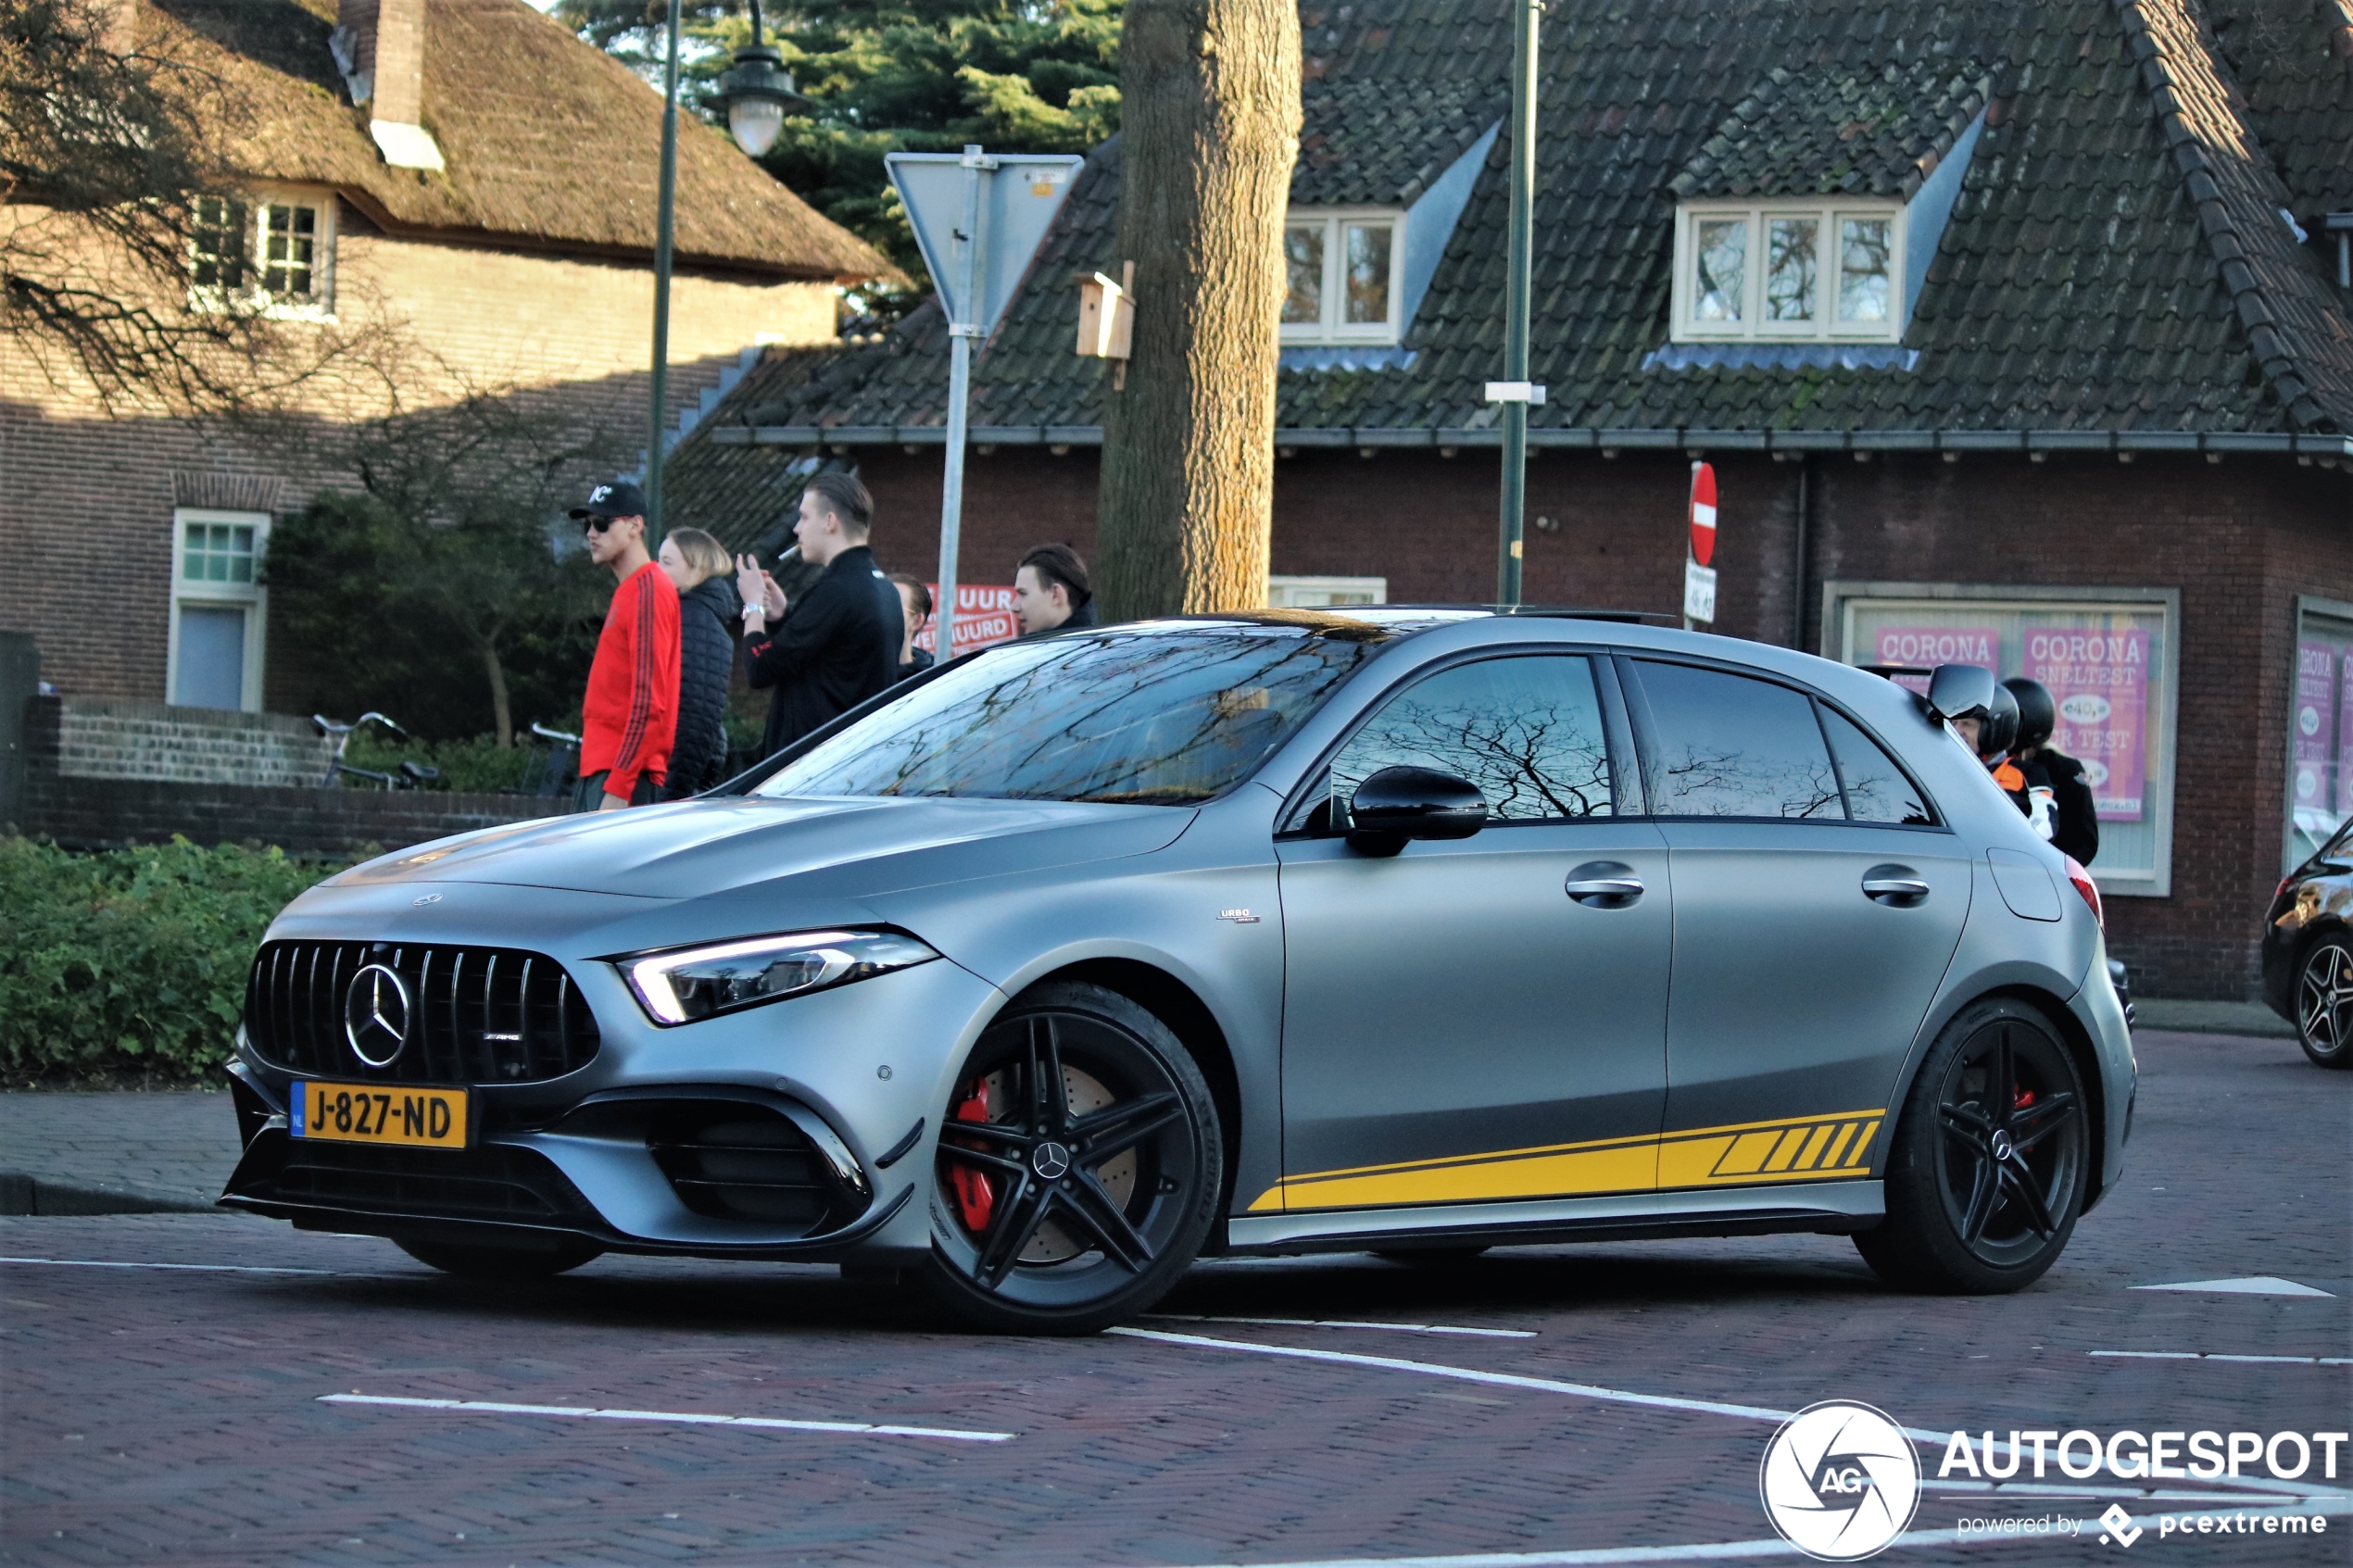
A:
{"x":699,"y":550}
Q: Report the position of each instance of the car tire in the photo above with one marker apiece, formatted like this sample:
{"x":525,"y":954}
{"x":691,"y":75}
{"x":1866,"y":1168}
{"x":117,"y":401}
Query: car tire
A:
{"x":510,"y":1265}
{"x":1096,"y":1178}
{"x":2324,"y":1002}
{"x":1991,"y":1159}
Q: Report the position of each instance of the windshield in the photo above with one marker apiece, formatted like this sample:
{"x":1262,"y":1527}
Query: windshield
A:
{"x":1145,"y":716}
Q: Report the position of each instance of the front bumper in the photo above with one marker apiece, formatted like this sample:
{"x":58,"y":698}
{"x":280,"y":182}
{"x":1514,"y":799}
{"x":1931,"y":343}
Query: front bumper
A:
{"x":800,"y":1130}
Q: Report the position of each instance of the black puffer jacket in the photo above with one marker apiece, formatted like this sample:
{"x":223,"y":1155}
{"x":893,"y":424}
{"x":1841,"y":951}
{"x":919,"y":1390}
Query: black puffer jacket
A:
{"x":706,"y":660}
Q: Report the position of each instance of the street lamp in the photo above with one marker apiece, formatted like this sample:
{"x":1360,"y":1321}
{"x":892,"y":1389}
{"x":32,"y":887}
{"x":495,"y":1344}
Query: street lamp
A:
{"x":759,"y":93}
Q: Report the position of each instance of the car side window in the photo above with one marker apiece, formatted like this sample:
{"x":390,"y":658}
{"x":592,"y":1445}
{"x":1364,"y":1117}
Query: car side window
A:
{"x":1726,"y":745}
{"x":1527,"y":731}
{"x":1877,"y":790}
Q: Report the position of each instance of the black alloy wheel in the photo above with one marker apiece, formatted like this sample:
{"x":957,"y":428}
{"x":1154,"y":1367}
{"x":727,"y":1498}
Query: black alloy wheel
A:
{"x":1079,"y":1167}
{"x":1991,"y":1159}
{"x":504,"y":1263}
{"x":2324,"y":1003}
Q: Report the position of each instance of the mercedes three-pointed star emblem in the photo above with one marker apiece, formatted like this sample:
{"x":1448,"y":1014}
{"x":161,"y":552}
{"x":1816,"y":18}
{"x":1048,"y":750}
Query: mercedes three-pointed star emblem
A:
{"x":375,"y":1014}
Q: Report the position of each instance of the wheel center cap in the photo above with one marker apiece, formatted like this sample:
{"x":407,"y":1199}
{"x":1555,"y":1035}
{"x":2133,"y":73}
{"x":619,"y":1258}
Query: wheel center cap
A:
{"x":1051,"y":1161}
{"x":2002,"y":1145}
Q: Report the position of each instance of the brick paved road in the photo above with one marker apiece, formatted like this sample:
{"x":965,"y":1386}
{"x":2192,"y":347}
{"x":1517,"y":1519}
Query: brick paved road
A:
{"x":172,"y":1416}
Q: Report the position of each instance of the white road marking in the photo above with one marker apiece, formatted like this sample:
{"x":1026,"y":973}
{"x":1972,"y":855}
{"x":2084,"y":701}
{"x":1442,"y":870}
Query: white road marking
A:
{"x":681,"y":1418}
{"x":1579,"y":1390}
{"x":2260,"y":1285}
{"x":2218,"y":1356}
{"x":1337,"y":1322}
{"x":190,"y":1268}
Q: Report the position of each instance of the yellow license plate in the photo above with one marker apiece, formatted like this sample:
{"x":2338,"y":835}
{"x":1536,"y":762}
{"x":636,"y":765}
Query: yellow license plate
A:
{"x":362,"y":1113}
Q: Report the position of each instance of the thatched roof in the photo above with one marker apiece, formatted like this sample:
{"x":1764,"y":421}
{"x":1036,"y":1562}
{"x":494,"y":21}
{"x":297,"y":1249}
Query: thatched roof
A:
{"x":549,"y":142}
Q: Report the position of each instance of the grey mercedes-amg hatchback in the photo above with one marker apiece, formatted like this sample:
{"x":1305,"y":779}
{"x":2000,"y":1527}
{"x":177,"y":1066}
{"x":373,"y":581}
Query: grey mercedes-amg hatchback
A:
{"x":1417,"y":931}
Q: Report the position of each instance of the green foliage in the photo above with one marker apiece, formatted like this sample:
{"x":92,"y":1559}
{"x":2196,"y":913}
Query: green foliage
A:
{"x":894,"y":76}
{"x":476,"y":765}
{"x":130,"y":964}
{"x":451,"y":591}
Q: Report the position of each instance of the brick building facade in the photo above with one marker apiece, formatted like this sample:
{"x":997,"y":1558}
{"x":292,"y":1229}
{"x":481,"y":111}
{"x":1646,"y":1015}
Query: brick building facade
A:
{"x":478,"y":209}
{"x":2081,"y":364}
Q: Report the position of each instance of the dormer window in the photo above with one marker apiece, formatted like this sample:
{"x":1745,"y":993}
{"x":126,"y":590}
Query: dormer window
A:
{"x":278,"y":252}
{"x":1750,"y":272}
{"x":1344,"y":268}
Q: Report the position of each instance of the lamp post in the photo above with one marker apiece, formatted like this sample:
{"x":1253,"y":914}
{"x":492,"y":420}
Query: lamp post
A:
{"x":758,"y":94}
{"x":1516,"y":394}
{"x":662,"y":227}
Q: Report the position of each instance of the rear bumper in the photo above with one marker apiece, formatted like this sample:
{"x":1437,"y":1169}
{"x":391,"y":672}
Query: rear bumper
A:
{"x":2100,"y":1012}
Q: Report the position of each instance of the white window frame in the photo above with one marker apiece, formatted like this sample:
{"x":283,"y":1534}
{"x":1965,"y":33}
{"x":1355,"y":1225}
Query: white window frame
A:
{"x":252,"y":597}
{"x":1316,"y":593}
{"x":1751,"y":326}
{"x":1842,"y":600}
{"x":1331,"y":329}
{"x":319,"y":305}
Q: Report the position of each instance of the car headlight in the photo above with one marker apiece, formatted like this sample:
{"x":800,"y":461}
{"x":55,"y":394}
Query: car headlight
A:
{"x":686,"y":984}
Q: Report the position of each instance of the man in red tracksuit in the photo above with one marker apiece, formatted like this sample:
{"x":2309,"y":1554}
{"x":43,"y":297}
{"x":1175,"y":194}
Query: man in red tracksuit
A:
{"x":630,"y":714}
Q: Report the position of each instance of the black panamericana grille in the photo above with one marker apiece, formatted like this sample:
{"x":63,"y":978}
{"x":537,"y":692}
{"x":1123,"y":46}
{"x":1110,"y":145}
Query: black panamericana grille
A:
{"x":476,"y":1015}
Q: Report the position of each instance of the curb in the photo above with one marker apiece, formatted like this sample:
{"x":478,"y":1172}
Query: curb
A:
{"x":21,"y":1194}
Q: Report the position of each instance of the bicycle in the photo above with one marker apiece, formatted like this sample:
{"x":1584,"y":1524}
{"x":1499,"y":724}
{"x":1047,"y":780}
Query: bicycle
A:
{"x":410,"y":775}
{"x":553,"y":766}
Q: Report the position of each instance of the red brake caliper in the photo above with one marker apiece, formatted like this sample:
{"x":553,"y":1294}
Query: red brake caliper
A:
{"x":975,"y":1193}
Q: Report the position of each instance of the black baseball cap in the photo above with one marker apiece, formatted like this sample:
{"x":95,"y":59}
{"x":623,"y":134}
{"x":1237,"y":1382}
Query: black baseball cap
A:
{"x":619,"y":498}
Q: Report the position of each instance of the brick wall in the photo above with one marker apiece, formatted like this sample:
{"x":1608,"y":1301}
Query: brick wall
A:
{"x":2239,"y":540}
{"x":86,"y":810}
{"x":102,"y":739}
{"x":86,"y":512}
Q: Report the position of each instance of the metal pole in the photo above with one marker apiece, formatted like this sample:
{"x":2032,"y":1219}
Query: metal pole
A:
{"x":971,"y":277}
{"x":1516,"y":298}
{"x":662,"y":228}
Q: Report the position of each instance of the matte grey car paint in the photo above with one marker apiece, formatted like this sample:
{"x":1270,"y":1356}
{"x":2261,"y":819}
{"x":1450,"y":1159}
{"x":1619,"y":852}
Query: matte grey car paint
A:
{"x":1779,"y":990}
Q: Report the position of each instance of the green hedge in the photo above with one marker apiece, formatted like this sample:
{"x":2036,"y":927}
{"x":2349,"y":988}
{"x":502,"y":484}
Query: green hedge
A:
{"x":130,"y":965}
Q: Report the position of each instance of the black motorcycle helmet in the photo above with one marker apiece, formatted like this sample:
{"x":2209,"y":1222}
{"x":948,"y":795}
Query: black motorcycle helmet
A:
{"x":1998,"y":733}
{"x":2037,"y":714}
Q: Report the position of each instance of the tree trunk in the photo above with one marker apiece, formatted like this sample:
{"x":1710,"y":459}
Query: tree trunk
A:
{"x":502,"y":711}
{"x":1208,"y":107}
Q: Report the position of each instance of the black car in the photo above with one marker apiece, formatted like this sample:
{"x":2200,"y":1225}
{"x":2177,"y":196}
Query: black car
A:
{"x":2308,"y":951}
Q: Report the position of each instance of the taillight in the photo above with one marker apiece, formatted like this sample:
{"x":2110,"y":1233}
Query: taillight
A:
{"x":2086,"y":887}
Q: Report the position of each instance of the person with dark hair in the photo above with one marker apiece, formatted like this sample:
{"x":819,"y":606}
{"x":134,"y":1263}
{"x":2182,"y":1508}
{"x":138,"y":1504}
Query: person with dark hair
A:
{"x":700,"y":565}
{"x":914,"y":609}
{"x":2075,"y":823}
{"x":630,"y":715}
{"x":1051,"y":593}
{"x":838,"y":643}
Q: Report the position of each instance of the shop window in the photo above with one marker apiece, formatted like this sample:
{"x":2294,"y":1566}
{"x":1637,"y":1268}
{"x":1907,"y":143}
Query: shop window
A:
{"x":2111,"y":660}
{"x":2319,"y":739}
{"x":1321,"y":592}
{"x":218,"y":607}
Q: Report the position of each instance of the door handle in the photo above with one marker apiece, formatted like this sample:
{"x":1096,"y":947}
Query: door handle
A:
{"x":1605,"y":885}
{"x":1897,"y":886}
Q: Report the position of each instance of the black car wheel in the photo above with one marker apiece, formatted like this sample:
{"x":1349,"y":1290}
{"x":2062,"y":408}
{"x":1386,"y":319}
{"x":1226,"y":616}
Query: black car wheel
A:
{"x":1990,"y":1158}
{"x":1079,"y":1167}
{"x":509,"y":1263}
{"x":2324,"y":1003}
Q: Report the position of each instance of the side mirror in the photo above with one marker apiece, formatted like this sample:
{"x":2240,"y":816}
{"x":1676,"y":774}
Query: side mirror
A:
{"x":1397,"y":804}
{"x":1959,"y":691}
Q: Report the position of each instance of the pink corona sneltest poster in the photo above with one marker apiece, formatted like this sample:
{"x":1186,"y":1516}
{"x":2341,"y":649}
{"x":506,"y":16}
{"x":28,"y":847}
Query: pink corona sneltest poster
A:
{"x":1925,"y":647}
{"x":2314,"y":718}
{"x":2100,"y":681}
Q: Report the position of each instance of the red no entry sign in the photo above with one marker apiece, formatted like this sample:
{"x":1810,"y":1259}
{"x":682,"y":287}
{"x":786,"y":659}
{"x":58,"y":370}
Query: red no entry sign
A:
{"x":1702,"y":513}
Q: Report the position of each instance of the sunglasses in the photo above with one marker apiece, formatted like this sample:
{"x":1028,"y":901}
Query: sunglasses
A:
{"x":596,"y":524}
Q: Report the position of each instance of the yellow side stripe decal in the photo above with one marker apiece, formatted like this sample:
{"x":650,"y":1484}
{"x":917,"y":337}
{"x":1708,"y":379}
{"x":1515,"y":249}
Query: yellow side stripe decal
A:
{"x":1797,"y":1148}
